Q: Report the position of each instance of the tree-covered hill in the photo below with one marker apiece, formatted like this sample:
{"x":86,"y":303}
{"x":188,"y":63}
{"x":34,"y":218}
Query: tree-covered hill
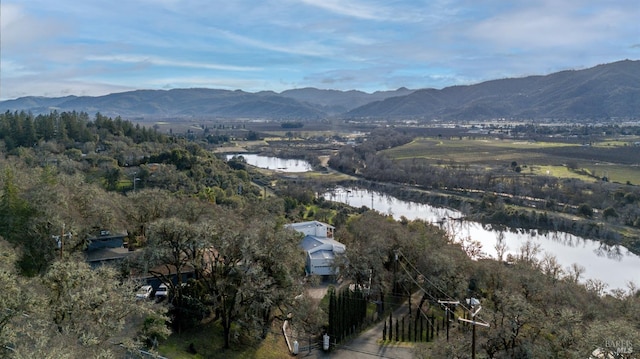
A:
{"x":602,"y":92}
{"x":182,"y":209}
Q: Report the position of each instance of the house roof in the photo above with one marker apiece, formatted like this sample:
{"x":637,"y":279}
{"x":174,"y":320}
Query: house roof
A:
{"x":314,"y":244}
{"x":107,"y":254}
{"x":105,"y":240}
{"x":322,"y":254}
{"x":301,"y":225}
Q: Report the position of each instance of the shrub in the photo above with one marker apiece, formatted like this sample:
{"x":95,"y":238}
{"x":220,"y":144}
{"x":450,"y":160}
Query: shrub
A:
{"x":585,"y":210}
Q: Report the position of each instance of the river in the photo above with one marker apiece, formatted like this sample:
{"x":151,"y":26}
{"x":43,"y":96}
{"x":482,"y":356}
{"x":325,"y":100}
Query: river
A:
{"x":613,"y":265}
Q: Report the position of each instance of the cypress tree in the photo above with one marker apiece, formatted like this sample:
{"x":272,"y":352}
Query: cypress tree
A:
{"x":397,"y":327}
{"x":332,"y":312}
{"x":384,"y":331}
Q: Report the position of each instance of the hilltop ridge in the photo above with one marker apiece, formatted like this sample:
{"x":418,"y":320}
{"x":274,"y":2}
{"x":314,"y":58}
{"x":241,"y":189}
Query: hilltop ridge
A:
{"x":601,"y":92}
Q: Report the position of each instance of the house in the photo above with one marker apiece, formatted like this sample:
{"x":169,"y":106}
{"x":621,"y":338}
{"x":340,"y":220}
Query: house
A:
{"x":103,"y":256}
{"x":105,"y":240}
{"x":313,"y":228}
{"x":162,"y":274}
{"x":320,"y":247}
{"x":106,"y":248}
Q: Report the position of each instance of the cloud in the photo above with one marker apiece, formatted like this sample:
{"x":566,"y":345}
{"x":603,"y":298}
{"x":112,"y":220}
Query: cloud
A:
{"x":56,"y":87}
{"x":158,"y":61}
{"x":360,"y":40}
{"x":347,"y":44}
{"x":21,"y":30}
{"x":365,"y":11}
{"x":15,"y":68}
{"x":308,"y":48}
{"x":552,"y":25}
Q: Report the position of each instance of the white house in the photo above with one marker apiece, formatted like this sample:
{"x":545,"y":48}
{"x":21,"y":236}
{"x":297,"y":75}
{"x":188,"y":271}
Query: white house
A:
{"x":319,"y":245}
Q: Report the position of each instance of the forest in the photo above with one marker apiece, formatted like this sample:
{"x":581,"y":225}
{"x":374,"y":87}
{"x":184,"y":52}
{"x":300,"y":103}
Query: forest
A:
{"x":185,"y":210}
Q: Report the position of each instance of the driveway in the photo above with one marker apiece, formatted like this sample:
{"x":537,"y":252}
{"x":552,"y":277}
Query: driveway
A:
{"x":366,"y":345}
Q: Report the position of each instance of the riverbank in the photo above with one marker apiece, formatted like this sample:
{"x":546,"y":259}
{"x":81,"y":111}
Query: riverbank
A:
{"x":613,"y":265}
{"x":486,"y":207}
{"x":513,"y":212}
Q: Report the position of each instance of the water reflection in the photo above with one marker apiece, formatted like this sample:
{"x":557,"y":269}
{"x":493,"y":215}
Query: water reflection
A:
{"x":274,"y":163}
{"x":611,"y":252}
{"x":613,"y":265}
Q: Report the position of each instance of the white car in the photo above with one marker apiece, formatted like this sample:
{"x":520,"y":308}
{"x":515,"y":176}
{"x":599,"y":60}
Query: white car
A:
{"x":144,"y":292}
{"x":162,"y":291}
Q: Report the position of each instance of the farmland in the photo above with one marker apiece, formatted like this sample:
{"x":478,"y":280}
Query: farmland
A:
{"x":618,"y":161}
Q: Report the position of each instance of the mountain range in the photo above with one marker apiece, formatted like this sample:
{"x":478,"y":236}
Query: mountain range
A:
{"x":601,"y":92}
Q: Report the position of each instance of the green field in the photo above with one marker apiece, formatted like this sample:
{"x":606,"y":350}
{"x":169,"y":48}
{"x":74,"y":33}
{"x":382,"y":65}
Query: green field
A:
{"x":468,"y":151}
{"x":617,"y":161}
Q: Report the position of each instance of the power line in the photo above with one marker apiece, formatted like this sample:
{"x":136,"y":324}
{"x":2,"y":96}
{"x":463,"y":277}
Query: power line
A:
{"x":473,"y":309}
{"x":427,"y":293}
{"x":423,"y":277}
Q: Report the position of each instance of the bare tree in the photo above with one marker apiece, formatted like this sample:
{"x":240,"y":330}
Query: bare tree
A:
{"x":550,"y":266}
{"x":596,"y":286}
{"x":501,"y":246}
{"x":574,"y":272}
{"x":529,"y":252}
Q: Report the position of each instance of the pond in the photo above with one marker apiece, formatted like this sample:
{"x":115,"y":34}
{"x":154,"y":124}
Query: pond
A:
{"x":613,"y":265}
{"x":274,"y":163}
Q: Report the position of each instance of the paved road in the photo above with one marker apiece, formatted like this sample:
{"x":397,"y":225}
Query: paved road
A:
{"x":366,"y":346}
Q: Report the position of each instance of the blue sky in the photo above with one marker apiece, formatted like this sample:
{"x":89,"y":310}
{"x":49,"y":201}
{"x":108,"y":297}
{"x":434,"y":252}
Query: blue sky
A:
{"x":63,"y":47}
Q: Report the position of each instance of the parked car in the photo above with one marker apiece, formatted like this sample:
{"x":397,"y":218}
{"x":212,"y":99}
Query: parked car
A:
{"x":144,"y":292}
{"x":162,"y":292}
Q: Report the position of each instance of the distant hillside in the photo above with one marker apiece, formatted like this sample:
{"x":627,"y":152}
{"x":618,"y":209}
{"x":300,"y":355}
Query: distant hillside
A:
{"x":307,"y":103}
{"x":174,"y":103}
{"x":604,"y":91}
{"x":34,"y":103}
{"x":611,"y":90}
{"x":335,"y":102}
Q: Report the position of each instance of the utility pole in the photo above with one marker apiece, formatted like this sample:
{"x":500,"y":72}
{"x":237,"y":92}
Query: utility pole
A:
{"x":395,"y":269}
{"x":135,"y":179}
{"x":473,"y":303}
{"x":60,"y":239}
{"x":446,"y":304}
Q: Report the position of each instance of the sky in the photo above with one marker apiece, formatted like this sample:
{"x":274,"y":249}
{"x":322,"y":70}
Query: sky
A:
{"x":70,"y":47}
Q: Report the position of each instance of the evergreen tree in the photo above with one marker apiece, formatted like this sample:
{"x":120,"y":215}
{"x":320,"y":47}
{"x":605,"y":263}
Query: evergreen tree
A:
{"x":15,"y":212}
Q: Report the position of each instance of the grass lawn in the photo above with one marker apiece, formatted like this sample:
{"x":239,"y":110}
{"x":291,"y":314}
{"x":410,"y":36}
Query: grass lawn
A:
{"x":560,"y":172}
{"x":208,"y":343}
{"x":614,"y":172}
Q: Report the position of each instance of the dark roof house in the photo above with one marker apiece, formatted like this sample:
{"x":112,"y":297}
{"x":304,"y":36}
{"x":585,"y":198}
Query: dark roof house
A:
{"x":106,"y":248}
